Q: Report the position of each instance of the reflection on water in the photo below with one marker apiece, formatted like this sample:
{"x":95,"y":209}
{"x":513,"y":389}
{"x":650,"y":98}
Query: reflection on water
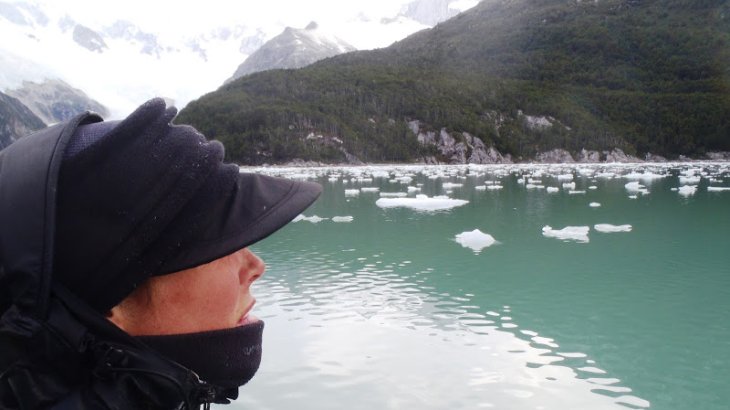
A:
{"x":386,"y":311}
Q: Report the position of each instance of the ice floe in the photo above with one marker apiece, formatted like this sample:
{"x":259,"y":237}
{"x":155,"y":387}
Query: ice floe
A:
{"x":313,"y":219}
{"x":494,"y":187}
{"x":687,"y":190}
{"x":552,"y":189}
{"x":608,"y":228}
{"x":369,"y":189}
{"x":636,"y":188}
{"x":393,"y":194}
{"x":341,"y":219}
{"x":421,"y":203}
{"x":574,"y":192}
{"x":569,"y":185}
{"x":480,"y":187}
{"x":594,"y":205}
{"x":352,"y":192}
{"x":476,"y":240}
{"x":569,"y":233}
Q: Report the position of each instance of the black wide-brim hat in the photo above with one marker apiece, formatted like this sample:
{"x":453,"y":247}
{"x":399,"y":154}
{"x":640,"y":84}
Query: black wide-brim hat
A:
{"x":142,"y":197}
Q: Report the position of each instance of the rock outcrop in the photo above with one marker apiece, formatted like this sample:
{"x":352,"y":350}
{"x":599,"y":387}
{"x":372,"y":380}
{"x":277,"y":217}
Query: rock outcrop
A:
{"x":618,"y":155}
{"x":556,"y":156}
{"x":458,"y":148}
{"x":586,"y":156}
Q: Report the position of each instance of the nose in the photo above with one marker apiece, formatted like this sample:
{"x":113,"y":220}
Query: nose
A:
{"x":252,"y":267}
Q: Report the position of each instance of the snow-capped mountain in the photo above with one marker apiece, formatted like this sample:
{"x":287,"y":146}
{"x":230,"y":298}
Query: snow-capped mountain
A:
{"x":294,"y":48}
{"x":121,"y":61}
{"x":16,"y":120}
{"x":55,"y":101}
{"x":432,"y":12}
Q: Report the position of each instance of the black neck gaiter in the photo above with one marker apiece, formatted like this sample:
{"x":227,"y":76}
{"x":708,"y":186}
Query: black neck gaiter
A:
{"x":227,"y":358}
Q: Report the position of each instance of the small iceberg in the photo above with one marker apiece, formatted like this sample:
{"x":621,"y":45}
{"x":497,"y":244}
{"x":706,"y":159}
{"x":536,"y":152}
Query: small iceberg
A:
{"x":352,"y":193}
{"x":342,"y":219}
{"x":393,"y":194}
{"x":608,"y":228}
{"x":687,"y":190}
{"x":370,"y":189}
{"x":569,"y":233}
{"x":313,"y":219}
{"x":475,"y":240}
{"x":636,"y":188}
{"x":421,"y":203}
{"x":594,"y":205}
{"x":552,"y":189}
{"x":717,"y":188}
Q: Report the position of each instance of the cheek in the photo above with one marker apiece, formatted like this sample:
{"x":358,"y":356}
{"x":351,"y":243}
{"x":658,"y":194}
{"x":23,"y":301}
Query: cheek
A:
{"x":217,"y":302}
{"x":201,"y":301}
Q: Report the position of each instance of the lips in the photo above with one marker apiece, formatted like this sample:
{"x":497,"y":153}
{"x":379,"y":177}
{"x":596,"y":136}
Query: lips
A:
{"x":246,"y":318}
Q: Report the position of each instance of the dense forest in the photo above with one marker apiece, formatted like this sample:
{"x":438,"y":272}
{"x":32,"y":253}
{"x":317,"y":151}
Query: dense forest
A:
{"x":643,"y":76}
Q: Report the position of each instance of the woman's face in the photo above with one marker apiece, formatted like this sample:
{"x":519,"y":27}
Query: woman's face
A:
{"x":207,"y":297}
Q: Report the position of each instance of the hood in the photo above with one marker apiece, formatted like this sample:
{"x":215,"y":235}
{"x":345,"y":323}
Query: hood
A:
{"x":55,"y":350}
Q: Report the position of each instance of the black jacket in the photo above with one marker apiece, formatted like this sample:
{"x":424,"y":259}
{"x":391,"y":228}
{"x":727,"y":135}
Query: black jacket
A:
{"x":56,"y":351}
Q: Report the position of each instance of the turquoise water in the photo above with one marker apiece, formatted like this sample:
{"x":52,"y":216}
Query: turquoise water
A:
{"x":389,"y":311}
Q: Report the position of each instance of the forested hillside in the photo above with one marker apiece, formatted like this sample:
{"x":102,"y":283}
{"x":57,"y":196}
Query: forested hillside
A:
{"x":523,"y":76}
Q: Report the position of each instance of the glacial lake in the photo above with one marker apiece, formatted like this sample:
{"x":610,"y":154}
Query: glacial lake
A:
{"x":388,"y":306}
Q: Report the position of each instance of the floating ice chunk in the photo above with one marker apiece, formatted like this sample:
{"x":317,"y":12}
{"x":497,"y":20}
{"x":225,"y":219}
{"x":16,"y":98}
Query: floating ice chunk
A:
{"x":637,"y":188}
{"x":313,"y":219}
{"x":594,"y":205}
{"x":687,"y":190}
{"x":534,"y":181}
{"x":533,"y":186}
{"x":494,"y":187}
{"x":608,"y":228}
{"x":574,"y":192}
{"x":569,"y":233}
{"x":393,"y":194}
{"x":717,"y":188}
{"x":481,"y":187}
{"x":352,"y":192}
{"x":451,"y":185}
{"x":569,"y":185}
{"x":633,"y":196}
{"x":476,"y":240}
{"x":644,"y":176}
{"x":370,"y":189}
{"x":333,"y":179}
{"x":421,"y":203}
{"x":592,"y":187}
{"x":341,"y":219}
{"x":412,"y":189}
{"x":552,"y":189}
{"x":565,"y":177}
{"x":689,"y":180}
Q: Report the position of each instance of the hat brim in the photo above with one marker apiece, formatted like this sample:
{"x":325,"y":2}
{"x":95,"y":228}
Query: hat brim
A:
{"x":257,"y":206}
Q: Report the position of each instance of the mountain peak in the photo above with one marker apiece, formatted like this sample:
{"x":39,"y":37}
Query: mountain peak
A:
{"x":312,"y":26}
